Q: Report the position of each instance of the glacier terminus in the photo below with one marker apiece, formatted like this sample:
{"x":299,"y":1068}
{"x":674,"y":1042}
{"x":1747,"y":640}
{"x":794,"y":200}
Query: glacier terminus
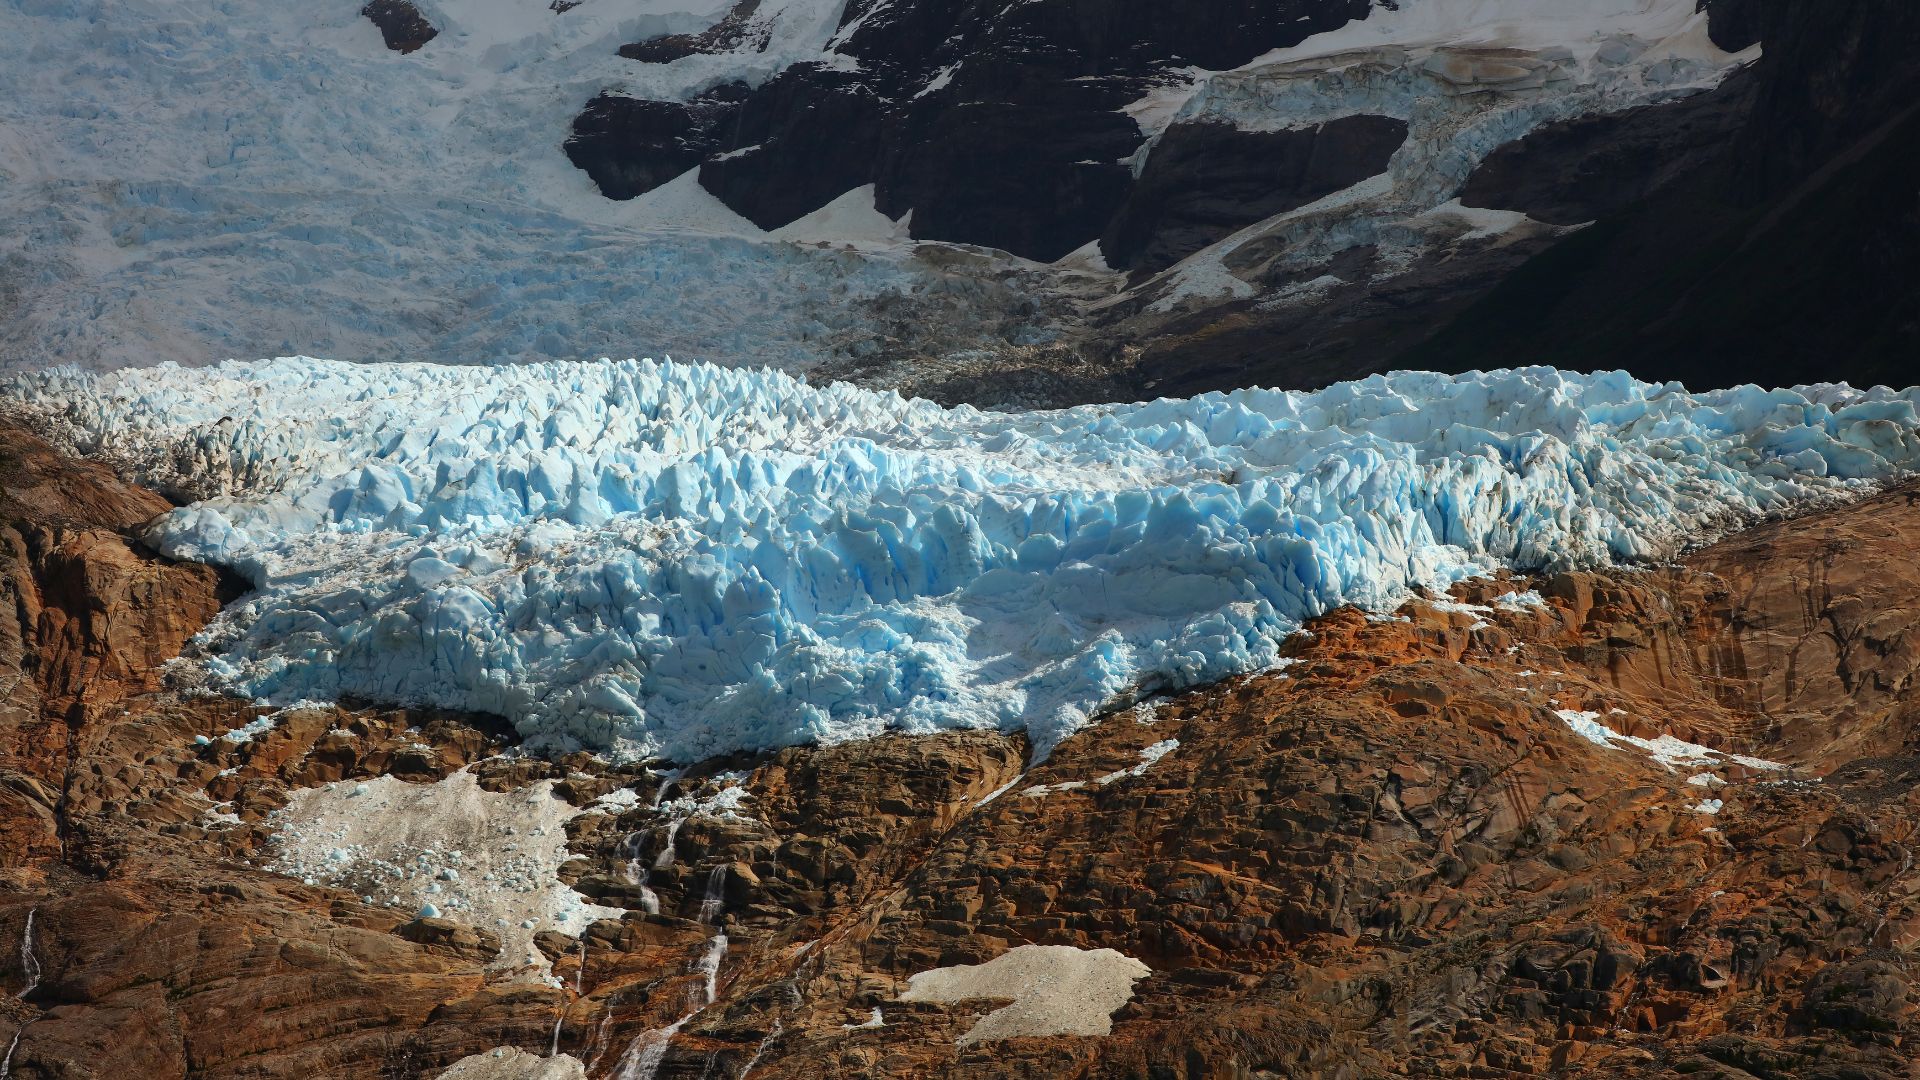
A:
{"x":681,"y":560}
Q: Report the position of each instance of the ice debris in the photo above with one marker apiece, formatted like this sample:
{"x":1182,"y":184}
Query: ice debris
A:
{"x":683,"y":560}
{"x":1053,"y":990}
{"x":449,"y":849}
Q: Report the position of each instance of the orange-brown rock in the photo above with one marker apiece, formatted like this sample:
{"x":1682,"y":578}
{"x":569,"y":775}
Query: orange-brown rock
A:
{"x":93,"y":618}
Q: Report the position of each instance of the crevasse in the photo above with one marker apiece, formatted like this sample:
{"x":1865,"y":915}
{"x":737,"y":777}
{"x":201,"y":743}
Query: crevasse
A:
{"x":683,"y":560}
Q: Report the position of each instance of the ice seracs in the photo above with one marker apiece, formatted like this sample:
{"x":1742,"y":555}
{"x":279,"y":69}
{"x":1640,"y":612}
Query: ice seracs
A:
{"x":660,"y":558}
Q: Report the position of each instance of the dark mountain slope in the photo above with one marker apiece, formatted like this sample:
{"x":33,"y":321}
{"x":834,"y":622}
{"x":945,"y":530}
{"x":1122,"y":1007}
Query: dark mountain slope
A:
{"x":1789,"y":254}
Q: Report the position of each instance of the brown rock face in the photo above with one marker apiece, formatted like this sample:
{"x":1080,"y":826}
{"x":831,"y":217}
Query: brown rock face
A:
{"x":92,"y":621}
{"x":1826,"y":617}
{"x":1398,"y":856}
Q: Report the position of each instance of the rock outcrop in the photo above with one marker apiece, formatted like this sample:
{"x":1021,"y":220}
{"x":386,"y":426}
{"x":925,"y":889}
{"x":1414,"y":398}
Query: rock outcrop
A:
{"x":1637,"y":213}
{"x":1207,"y":180}
{"x":1782,"y":238}
{"x":401,"y":24}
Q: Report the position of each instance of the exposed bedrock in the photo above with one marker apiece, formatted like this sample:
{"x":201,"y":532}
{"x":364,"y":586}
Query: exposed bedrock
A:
{"x":802,"y":140}
{"x":1206,"y":180}
{"x":401,"y":25}
{"x":734,"y":30}
{"x":629,"y":146}
{"x":1577,"y":171}
{"x":1783,"y":248}
{"x":1036,"y":169}
{"x":992,"y":124}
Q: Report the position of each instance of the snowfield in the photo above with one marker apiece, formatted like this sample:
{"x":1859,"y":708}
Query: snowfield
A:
{"x":197,"y":179}
{"x":659,"y":558}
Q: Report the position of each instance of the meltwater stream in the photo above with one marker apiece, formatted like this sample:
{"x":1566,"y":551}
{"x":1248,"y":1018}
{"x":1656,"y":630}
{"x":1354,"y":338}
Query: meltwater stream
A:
{"x":29,"y":963}
{"x":716,"y":894}
{"x":579,"y":978}
{"x":648,"y":1050}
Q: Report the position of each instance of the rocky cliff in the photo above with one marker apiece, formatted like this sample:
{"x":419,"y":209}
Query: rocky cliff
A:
{"x":1652,"y":823}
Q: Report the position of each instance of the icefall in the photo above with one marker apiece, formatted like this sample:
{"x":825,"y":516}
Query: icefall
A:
{"x":682,"y":560}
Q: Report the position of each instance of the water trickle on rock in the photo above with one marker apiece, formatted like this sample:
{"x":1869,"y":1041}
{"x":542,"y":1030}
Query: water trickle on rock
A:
{"x":29,"y":963}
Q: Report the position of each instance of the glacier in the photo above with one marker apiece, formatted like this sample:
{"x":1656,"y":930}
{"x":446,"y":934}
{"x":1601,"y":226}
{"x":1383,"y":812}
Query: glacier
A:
{"x":668,"y":559}
{"x":186,"y":179}
{"x":193,"y":179}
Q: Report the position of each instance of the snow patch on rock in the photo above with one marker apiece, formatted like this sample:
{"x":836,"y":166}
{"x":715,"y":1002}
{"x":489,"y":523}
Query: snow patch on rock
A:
{"x":1149,"y":756}
{"x":1056,"y":990}
{"x":1669,"y":752}
{"x":513,"y":1063}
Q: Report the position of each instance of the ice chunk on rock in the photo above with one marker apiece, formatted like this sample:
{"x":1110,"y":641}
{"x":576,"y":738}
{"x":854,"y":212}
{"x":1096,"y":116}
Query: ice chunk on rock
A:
{"x":513,"y":1063}
{"x":684,"y":560}
{"x":1054,"y":989}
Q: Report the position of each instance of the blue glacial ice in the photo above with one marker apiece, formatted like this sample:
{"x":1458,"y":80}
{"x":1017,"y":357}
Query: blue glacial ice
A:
{"x":684,"y":560}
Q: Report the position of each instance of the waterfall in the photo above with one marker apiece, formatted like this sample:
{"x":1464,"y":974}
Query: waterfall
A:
{"x":579,"y":974}
{"x":648,"y":1050}
{"x":630,"y":847}
{"x":6,"y":1063}
{"x":642,"y":1059}
{"x":709,"y":966}
{"x":599,"y":1043}
{"x":716,"y":894}
{"x":638,"y":874}
{"x":665,"y":858}
{"x":772,"y":1034}
{"x":29,"y":964}
{"x":667,"y":780}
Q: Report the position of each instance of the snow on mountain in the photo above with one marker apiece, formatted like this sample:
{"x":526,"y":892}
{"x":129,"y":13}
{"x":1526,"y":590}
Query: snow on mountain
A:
{"x":192,"y":179}
{"x":1581,"y":27}
{"x":681,"y":559}
{"x":1466,"y":77}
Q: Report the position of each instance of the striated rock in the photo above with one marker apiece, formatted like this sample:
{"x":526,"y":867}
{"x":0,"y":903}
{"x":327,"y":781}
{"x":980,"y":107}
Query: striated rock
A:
{"x":1821,"y":635}
{"x":93,"y":618}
